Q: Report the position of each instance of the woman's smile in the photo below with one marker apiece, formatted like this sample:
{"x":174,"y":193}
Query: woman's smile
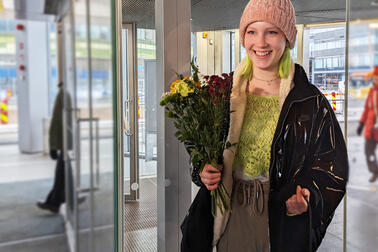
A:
{"x":262,"y":54}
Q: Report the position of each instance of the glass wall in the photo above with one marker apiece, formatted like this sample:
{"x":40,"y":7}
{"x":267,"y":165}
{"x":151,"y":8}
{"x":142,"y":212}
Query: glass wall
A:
{"x":89,"y":126}
{"x":362,"y":211}
{"x":324,"y":61}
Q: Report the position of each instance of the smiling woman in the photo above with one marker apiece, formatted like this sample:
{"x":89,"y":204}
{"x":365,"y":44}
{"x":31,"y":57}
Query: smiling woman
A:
{"x":284,"y":176}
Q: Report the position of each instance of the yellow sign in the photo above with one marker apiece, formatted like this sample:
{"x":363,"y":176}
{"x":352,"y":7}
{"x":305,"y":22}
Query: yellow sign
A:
{"x":3,"y":119}
{"x":4,"y":106}
{"x":205,"y":34}
{"x":3,"y":113}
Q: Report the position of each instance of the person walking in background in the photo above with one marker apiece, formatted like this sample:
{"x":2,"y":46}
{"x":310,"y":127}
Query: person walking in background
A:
{"x":56,"y":195}
{"x":369,"y":121}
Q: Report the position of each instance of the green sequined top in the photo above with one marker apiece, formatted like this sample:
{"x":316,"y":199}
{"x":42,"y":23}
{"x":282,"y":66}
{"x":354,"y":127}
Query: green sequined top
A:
{"x":259,"y":125}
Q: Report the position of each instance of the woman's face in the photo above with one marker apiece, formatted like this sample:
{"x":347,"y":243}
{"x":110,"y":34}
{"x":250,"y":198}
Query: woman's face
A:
{"x":265,"y":43}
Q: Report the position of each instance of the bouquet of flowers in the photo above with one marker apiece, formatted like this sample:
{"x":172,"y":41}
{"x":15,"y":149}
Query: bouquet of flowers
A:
{"x":200,"y":109}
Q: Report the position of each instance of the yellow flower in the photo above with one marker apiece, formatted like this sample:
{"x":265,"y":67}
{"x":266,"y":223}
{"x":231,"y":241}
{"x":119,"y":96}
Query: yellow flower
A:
{"x":183,"y":88}
{"x":173,"y":86}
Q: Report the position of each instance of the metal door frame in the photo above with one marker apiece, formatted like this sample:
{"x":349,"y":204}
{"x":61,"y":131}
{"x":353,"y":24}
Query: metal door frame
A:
{"x":133,"y":109}
{"x":117,"y":88}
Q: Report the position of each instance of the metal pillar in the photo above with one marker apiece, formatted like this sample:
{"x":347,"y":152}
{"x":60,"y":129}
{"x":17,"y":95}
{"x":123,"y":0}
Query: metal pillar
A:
{"x":172,"y":21}
{"x":32,"y":84}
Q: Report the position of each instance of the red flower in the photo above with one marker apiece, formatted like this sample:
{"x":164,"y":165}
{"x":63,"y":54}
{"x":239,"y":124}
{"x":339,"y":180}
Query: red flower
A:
{"x":211,"y":90}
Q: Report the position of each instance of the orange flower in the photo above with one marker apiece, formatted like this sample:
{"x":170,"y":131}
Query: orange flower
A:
{"x":173,"y":86}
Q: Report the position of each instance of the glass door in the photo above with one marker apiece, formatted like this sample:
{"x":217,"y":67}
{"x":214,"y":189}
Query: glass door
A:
{"x":87,"y":44}
{"x":70,"y":124}
{"x":100,"y":179}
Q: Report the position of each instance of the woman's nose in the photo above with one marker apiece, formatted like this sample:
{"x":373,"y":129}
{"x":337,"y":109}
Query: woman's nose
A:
{"x":261,"y":40}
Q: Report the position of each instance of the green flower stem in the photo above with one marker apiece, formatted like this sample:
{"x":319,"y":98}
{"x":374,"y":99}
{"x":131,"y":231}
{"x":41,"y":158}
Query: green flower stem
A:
{"x":219,"y":199}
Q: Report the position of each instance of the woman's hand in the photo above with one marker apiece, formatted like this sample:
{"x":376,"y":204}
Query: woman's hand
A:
{"x":211,"y":176}
{"x":297,"y":203}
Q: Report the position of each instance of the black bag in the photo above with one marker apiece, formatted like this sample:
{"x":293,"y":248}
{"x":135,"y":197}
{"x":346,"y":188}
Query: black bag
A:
{"x":197,"y":227}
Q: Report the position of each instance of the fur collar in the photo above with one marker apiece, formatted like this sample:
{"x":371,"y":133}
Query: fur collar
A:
{"x":238,"y":105}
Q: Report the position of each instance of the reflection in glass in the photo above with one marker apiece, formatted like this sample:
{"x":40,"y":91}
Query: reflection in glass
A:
{"x":362,"y":189}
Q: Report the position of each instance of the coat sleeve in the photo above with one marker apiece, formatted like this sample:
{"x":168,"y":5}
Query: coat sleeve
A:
{"x":366,"y":107}
{"x":325,"y":172}
{"x":56,"y":124}
{"x":194,"y":168}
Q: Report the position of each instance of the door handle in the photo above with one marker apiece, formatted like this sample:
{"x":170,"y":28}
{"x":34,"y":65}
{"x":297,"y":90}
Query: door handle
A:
{"x":79,"y":188}
{"x":126,"y":117}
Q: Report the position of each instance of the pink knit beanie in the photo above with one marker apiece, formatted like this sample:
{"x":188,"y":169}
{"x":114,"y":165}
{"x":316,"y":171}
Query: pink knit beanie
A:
{"x":278,"y":12}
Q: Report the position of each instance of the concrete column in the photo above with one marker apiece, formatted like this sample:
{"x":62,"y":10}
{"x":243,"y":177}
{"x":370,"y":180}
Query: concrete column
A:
{"x":226,"y":52}
{"x":172,"y":21}
{"x":209,"y":52}
{"x":210,"y":60}
{"x":32,"y":83}
{"x":218,"y":45}
{"x":202,"y":56}
{"x":300,"y":29}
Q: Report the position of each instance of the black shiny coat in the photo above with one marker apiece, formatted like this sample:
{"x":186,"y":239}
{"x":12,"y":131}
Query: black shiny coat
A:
{"x":308,"y":149}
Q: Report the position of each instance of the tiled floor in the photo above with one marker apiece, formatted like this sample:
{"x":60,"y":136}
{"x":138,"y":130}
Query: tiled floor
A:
{"x":140,"y":219}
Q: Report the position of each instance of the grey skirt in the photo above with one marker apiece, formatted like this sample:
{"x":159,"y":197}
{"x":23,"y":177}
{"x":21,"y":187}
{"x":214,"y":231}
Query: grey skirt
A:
{"x":248,"y":227}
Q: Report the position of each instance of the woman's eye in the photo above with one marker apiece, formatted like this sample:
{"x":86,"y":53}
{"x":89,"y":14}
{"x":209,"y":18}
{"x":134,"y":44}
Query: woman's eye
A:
{"x":273,"y":32}
{"x":251,"y":32}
